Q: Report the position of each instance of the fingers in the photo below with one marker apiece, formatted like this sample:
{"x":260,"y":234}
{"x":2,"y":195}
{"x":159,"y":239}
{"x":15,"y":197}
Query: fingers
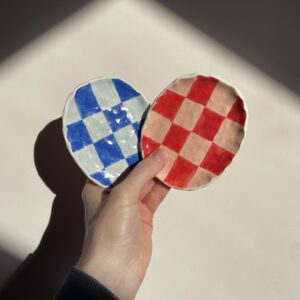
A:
{"x":156,"y":196}
{"x":147,"y":188}
{"x":92,"y":192}
{"x":145,"y":171}
{"x":92,"y":196}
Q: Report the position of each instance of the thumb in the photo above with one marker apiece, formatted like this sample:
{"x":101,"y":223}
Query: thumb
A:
{"x":145,"y":170}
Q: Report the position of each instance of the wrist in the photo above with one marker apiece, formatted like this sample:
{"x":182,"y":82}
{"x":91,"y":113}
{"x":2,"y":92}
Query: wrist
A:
{"x":114,"y":275}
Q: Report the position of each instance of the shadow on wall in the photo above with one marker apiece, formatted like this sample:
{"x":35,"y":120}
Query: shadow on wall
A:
{"x":22,"y":21}
{"x":41,"y":275}
{"x":8,"y":264}
{"x":264,"y":32}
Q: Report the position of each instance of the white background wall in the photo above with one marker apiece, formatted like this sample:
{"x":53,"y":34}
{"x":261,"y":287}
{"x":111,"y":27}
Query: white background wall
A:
{"x":238,"y":238}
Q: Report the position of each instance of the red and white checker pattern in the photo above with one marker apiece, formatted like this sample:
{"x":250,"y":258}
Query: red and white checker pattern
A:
{"x":200,"y":122}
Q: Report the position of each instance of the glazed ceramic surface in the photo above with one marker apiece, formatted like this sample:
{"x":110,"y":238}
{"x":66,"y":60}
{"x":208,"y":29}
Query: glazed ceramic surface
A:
{"x":101,"y":123}
{"x":200,"y":121}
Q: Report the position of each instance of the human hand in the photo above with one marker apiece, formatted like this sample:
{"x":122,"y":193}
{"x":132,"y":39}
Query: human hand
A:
{"x":118,"y":244}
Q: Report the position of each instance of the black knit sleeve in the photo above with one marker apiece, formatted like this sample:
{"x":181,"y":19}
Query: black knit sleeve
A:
{"x":80,"y":285}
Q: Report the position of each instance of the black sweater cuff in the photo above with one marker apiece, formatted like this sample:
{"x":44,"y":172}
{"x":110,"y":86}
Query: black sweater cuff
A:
{"x":80,"y":285}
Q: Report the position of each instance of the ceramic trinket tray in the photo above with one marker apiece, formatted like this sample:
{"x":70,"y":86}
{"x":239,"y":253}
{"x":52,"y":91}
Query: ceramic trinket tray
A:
{"x":101,"y":124}
{"x":200,"y":121}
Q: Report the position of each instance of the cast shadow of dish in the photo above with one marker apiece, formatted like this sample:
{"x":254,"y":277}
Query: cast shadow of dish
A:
{"x":41,"y":275}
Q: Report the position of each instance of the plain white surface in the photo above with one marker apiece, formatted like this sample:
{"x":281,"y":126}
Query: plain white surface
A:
{"x":238,"y":238}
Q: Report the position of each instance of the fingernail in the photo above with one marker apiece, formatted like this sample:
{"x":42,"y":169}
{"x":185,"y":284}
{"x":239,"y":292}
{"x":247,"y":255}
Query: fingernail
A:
{"x":161,"y":155}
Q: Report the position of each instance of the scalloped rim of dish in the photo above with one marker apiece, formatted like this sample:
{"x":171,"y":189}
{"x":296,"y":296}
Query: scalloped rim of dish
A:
{"x":245,"y":126}
{"x":71,"y":95}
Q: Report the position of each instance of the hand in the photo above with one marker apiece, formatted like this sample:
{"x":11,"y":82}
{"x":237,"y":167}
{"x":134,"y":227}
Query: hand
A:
{"x":118,"y":244}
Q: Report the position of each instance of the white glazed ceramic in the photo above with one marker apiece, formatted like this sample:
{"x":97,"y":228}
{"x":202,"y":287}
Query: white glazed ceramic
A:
{"x":200,"y":121}
{"x":101,"y":125}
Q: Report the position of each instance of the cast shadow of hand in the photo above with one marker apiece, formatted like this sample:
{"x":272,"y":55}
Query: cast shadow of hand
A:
{"x":41,"y":275}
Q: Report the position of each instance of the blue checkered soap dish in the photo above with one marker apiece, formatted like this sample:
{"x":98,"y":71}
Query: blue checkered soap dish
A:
{"x":101,"y":125}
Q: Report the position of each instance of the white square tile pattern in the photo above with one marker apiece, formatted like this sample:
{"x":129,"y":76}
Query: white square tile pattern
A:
{"x":97,"y":126}
{"x":116,"y":169}
{"x":135,"y":108}
{"x":127,"y":140}
{"x":89,"y":159}
{"x":73,"y":115}
{"x":105,"y":93}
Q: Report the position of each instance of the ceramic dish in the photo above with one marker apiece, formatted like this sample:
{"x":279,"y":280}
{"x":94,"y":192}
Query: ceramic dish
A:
{"x":101,"y":124}
{"x":200,"y":121}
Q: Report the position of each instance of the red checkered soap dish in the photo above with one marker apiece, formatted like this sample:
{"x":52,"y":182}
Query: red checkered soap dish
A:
{"x":200,"y":121}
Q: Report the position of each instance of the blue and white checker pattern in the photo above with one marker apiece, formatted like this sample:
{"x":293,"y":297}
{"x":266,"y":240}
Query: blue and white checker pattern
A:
{"x":102,"y":121}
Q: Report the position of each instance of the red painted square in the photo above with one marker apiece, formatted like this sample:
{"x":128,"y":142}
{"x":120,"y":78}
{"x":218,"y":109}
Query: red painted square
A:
{"x":208,"y":124}
{"x":216,"y":159}
{"x":149,"y":146}
{"x":237,"y":112}
{"x":176,"y":137}
{"x":202,"y":88}
{"x":168,"y":104}
{"x":181,"y":173}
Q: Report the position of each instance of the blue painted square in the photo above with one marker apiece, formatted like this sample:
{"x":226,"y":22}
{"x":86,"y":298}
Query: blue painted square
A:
{"x":133,"y":160}
{"x":137,"y":128}
{"x":117,"y":117}
{"x":100,"y":177}
{"x":86,"y":101}
{"x":124,"y":90}
{"x":108,"y":150}
{"x":78,"y":135}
